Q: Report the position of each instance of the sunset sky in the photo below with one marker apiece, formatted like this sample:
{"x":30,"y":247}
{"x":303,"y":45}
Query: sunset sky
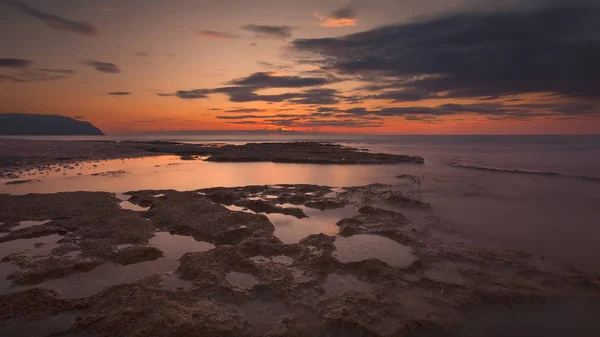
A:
{"x":369,"y":66}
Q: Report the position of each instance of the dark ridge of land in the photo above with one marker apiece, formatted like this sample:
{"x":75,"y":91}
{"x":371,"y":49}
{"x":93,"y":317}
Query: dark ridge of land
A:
{"x":16,"y":153}
{"x":20,"y":124}
{"x":243,"y":286}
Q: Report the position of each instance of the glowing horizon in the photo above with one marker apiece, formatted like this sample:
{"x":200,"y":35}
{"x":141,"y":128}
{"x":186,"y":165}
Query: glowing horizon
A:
{"x":358,"y":67}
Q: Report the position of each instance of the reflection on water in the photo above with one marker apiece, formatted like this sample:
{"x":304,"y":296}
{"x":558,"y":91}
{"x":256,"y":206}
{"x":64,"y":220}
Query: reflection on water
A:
{"x":27,"y":224}
{"x":290,"y":229}
{"x":31,"y":247}
{"x":174,"y":246}
{"x":241,"y":280}
{"x":492,"y":209}
{"x":365,"y":246}
{"x":169,"y":172}
{"x":132,"y":207}
{"x":86,"y":284}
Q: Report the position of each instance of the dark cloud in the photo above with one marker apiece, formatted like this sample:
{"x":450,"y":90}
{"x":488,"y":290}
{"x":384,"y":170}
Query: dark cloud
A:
{"x":311,"y":96}
{"x":343,"y":13}
{"x":553,"y":48}
{"x":211,"y":34}
{"x":270,"y":65}
{"x":492,"y":111}
{"x":317,"y":123}
{"x":243,"y":122}
{"x":55,"y":21}
{"x":253,"y":44}
{"x":58,"y":71}
{"x":190,"y":94}
{"x":104,"y":67}
{"x":142,"y":54}
{"x":119,"y":93}
{"x":270,"y":32}
{"x":242,"y":117}
{"x":245,"y":110}
{"x":215,"y":109}
{"x":260,"y":116}
{"x":15,"y":63}
{"x":26,"y":76}
{"x":262,"y":80}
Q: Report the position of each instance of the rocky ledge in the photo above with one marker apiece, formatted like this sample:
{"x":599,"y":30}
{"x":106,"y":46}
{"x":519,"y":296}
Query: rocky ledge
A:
{"x":382,"y":275}
{"x":20,"y":155}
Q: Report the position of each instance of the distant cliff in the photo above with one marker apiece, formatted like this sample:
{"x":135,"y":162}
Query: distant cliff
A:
{"x":19,"y":124}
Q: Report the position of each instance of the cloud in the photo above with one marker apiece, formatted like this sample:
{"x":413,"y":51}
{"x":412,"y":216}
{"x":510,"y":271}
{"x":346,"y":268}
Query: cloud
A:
{"x":54,"y":21}
{"x":189,"y":94}
{"x":343,"y":17}
{"x":243,"y":122}
{"x":269,"y":80}
{"x":253,"y":44}
{"x":119,"y":93}
{"x":215,"y":109}
{"x":15,"y":63}
{"x":78,"y":117}
{"x":270,"y":65}
{"x":310,"y":96}
{"x":490,"y":111}
{"x":142,"y":54}
{"x":270,"y":32}
{"x":58,"y":71}
{"x":245,"y":110}
{"x":104,"y":67}
{"x":25,"y":76}
{"x":547,"y":49}
{"x":211,"y":34}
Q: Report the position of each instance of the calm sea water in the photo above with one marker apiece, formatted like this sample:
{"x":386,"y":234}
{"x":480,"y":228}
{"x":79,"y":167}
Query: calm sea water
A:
{"x":539,"y":194}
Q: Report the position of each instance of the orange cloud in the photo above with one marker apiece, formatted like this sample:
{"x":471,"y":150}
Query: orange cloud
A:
{"x":329,"y":21}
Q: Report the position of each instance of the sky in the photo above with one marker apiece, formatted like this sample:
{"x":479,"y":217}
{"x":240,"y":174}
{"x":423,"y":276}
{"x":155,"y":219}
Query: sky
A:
{"x":358,"y":66}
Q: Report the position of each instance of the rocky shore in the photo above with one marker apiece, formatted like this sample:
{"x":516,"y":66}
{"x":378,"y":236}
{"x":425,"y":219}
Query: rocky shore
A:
{"x":83,"y":264}
{"x":18,"y":156}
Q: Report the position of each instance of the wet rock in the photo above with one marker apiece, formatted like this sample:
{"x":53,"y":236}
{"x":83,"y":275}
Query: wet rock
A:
{"x":145,"y":309}
{"x":136,"y":254}
{"x":38,"y":271}
{"x":326,"y":204}
{"x":35,"y":303}
{"x":260,"y":206}
{"x":191,"y":214}
{"x":306,"y":152}
{"x":19,"y":182}
{"x":210,"y":268}
{"x":401,"y":200}
{"x":223,"y":197}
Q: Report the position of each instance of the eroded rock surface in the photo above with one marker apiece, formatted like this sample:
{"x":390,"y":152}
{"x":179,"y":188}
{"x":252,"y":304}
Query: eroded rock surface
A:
{"x":251,"y":283}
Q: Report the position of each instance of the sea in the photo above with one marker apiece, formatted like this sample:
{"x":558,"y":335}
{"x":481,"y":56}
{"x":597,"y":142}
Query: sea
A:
{"x":535,"y":194}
